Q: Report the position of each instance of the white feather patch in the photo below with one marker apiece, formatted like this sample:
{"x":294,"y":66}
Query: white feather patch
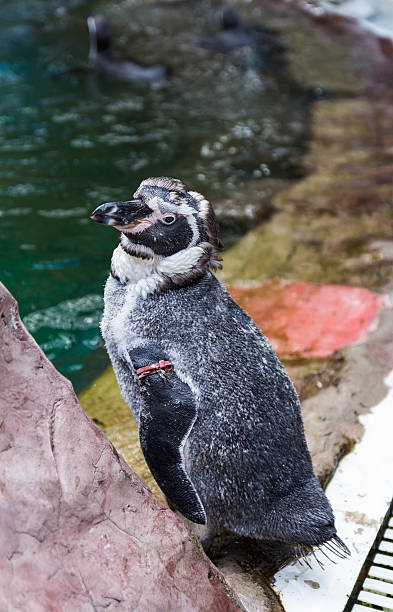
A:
{"x":196,"y":195}
{"x":181,"y":262}
{"x":204,"y":208}
{"x":143,"y":276}
{"x":130,"y":269}
{"x":185,"y":209}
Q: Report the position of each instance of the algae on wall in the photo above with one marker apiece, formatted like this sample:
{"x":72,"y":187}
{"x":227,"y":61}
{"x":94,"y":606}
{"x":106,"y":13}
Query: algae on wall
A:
{"x":331,"y":226}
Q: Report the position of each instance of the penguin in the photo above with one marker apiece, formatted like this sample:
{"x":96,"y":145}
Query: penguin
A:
{"x":233,"y":33}
{"x":269,"y":49}
{"x":219,"y":419}
{"x":267,"y":55}
{"x":101,"y":56}
{"x":102,"y":59}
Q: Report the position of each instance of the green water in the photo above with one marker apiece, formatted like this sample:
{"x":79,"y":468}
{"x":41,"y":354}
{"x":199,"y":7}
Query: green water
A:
{"x":68,"y":144}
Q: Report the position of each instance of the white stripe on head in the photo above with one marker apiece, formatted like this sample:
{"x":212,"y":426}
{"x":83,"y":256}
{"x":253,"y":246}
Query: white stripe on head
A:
{"x":203,"y":204}
{"x":174,"y":196}
{"x":189,"y":212}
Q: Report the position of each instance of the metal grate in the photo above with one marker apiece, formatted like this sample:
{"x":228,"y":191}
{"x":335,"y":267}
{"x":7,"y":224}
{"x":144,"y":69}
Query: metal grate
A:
{"x":373,"y":589}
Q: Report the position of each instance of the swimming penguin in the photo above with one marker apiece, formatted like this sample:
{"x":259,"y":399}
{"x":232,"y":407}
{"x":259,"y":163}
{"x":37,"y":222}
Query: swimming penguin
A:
{"x":219,"y":419}
{"x":268,"y":55}
{"x":102,"y":58}
{"x":235,"y":33}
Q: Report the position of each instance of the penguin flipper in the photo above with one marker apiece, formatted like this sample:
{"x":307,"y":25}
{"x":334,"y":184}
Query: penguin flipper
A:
{"x":166,"y":419}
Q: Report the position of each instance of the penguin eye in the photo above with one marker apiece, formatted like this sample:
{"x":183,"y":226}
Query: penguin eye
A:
{"x":169,"y":219}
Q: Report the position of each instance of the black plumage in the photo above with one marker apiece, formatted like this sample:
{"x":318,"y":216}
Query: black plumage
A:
{"x":168,"y":414}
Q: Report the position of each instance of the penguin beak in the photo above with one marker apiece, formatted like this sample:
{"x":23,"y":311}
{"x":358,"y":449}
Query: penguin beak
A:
{"x":122,"y":215}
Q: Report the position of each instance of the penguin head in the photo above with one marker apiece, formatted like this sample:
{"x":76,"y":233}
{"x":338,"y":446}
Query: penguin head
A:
{"x":100,"y":35}
{"x":230,"y":19}
{"x":163,"y":218}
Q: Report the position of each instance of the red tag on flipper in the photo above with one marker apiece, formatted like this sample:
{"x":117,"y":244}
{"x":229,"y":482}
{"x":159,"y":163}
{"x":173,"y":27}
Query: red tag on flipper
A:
{"x":153,"y":368}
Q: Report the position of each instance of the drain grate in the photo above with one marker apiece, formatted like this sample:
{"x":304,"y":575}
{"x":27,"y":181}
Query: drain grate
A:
{"x":373,"y":589}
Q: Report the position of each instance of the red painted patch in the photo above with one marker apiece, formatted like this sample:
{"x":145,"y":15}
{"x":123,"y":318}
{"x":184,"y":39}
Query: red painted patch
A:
{"x":305,"y":320}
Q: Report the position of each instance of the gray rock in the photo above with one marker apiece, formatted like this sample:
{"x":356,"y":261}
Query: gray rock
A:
{"x":78,"y":529}
{"x":249,"y":584}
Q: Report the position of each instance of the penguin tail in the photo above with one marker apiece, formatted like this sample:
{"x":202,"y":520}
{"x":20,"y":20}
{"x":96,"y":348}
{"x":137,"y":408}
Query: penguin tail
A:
{"x":334,"y":547}
{"x":304,"y":519}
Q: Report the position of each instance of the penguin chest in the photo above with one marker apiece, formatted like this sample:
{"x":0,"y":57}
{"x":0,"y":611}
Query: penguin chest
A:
{"x":116,"y":325}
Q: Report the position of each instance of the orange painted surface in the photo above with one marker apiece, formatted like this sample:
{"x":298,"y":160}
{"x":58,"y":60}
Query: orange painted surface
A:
{"x":303,"y":320}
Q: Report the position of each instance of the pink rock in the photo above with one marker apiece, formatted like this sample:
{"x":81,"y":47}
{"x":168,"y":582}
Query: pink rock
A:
{"x":79,"y":531}
{"x":305,"y":320}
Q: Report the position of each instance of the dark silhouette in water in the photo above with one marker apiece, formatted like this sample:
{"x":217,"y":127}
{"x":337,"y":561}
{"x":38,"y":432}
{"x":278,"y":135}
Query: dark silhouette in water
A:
{"x":268,"y":53}
{"x":269,"y":49}
{"x":102,"y":58}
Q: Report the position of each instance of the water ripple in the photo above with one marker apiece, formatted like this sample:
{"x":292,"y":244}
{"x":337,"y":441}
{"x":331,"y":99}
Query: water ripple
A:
{"x":62,"y":213}
{"x":79,"y":314}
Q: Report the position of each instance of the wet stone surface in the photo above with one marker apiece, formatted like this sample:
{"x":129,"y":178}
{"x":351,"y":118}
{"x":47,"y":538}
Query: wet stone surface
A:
{"x":334,"y":225}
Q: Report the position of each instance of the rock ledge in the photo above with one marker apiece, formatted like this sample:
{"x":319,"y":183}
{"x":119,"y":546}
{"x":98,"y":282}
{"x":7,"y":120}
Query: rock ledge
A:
{"x":78,"y":529}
